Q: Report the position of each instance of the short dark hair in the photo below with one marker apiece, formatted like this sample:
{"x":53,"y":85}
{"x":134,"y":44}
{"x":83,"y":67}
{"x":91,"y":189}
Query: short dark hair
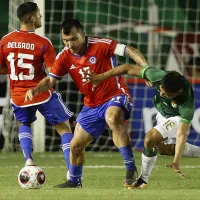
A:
{"x":173,"y":81}
{"x":68,"y":24}
{"x":25,"y":9}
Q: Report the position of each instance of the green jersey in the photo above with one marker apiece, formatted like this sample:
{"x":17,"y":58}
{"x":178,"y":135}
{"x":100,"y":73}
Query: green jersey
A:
{"x":166,"y":106}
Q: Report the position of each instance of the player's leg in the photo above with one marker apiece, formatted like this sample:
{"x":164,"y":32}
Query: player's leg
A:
{"x":115,"y":116}
{"x":166,"y":149}
{"x":190,"y":150}
{"x":87,"y":128}
{"x":163,"y":130}
{"x":64,"y":130}
{"x":57,"y":114}
{"x":78,"y":144}
{"x":25,"y":116}
{"x":149,"y":157}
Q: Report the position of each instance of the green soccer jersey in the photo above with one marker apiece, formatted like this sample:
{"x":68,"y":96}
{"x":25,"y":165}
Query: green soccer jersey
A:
{"x":166,"y":106}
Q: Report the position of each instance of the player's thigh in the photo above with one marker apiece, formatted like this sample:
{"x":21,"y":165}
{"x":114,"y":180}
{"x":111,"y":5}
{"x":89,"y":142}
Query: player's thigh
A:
{"x":91,"y":120}
{"x":25,"y":115}
{"x":81,"y":138}
{"x":152,"y":138}
{"x":168,"y":127}
{"x":55,"y":110}
{"x":114,"y":115}
{"x":118,"y":109}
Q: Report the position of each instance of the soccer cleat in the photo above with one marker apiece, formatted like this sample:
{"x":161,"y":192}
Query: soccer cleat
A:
{"x":139,"y":184}
{"x":131,"y":178}
{"x":68,"y":176}
{"x":69,"y":184}
{"x":29,"y":162}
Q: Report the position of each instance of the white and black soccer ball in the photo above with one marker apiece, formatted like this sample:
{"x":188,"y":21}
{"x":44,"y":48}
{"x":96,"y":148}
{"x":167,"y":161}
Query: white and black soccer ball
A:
{"x":31,"y":177}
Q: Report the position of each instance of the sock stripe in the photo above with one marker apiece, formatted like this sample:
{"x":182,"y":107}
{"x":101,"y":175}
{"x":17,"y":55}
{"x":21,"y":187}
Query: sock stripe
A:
{"x":130,"y":161}
{"x":65,"y":148}
{"x":66,"y":145}
{"x":77,"y":175}
{"x":25,"y":135}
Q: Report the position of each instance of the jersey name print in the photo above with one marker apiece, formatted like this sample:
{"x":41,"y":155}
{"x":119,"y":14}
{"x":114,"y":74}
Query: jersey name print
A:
{"x":21,"y":45}
{"x":25,"y":53}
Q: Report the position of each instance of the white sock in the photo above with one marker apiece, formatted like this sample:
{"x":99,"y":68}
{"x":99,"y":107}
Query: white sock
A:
{"x":191,"y":150}
{"x":147,"y":166}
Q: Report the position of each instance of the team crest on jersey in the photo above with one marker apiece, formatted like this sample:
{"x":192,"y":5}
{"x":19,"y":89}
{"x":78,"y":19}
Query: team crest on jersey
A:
{"x":92,"y":60}
{"x":174,"y":105}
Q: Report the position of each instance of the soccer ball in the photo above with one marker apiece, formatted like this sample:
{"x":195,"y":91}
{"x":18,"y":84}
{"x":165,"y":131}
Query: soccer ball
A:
{"x":31,"y":177}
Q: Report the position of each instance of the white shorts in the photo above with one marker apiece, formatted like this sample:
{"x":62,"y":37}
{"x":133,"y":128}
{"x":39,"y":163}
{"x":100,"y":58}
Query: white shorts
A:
{"x":167,"y":127}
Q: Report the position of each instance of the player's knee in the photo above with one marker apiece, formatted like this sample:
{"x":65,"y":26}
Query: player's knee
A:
{"x":148,"y":140}
{"x":76,"y":147}
{"x":112,"y":121}
{"x":63,"y":127}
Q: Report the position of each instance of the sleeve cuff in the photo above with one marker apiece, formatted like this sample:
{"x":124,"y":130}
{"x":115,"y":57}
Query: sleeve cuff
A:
{"x":54,"y":76}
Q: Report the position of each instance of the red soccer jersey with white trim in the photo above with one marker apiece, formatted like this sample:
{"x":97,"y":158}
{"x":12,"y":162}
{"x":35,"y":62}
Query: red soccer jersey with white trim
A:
{"x":25,"y":53}
{"x":98,"y":57}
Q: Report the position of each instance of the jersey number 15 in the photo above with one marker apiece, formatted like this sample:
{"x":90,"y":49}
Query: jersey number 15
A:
{"x":21,"y":64}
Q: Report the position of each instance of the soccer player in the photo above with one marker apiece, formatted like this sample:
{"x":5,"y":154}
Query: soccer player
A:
{"x":174,"y":101}
{"x":26,"y":55}
{"x":110,"y":103}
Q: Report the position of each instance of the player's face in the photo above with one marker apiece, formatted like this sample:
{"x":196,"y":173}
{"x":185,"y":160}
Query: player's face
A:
{"x":75,"y":41}
{"x":38,"y":17}
{"x":168,"y":95}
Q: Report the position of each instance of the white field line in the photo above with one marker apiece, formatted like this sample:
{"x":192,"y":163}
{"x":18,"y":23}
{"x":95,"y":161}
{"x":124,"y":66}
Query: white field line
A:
{"x":99,"y":167}
{"x":60,"y":156}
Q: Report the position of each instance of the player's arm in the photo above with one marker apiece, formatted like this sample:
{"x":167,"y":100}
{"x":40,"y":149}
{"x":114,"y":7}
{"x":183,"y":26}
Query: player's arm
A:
{"x":182,"y":131}
{"x":3,"y":70}
{"x":136,"y":55}
{"x":44,"y":85}
{"x":129,"y":69}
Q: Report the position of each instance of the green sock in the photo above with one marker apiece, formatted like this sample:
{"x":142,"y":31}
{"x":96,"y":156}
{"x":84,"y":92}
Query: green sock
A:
{"x":150,"y":152}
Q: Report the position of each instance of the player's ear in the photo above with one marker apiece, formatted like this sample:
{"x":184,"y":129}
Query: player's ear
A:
{"x":83,"y":34}
{"x":33,"y":19}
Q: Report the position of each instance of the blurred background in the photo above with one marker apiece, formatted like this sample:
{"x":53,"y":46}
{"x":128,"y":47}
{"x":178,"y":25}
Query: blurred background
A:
{"x":167,"y":32}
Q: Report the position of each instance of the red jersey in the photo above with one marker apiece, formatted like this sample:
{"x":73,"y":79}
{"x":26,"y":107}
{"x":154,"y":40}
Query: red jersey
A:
{"x":98,"y":58}
{"x":24,"y":53}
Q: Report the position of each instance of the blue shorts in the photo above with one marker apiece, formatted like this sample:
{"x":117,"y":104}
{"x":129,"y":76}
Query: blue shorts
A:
{"x":54,"y":110}
{"x":93,"y":120}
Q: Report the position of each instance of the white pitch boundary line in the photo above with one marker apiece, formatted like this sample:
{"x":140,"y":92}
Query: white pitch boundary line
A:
{"x":61,"y":156}
{"x":99,"y":167}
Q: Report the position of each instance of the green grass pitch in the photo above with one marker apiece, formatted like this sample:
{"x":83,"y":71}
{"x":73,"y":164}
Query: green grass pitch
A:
{"x":103,"y":177}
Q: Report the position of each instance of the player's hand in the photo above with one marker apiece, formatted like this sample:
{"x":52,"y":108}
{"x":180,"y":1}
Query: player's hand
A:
{"x":148,"y":83}
{"x":92,"y":78}
{"x":29,"y":95}
{"x":175,"y":167}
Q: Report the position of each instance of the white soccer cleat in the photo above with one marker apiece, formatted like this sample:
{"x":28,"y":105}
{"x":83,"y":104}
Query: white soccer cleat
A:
{"x":68,"y":176}
{"x":140,"y":184}
{"x":29,"y":162}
